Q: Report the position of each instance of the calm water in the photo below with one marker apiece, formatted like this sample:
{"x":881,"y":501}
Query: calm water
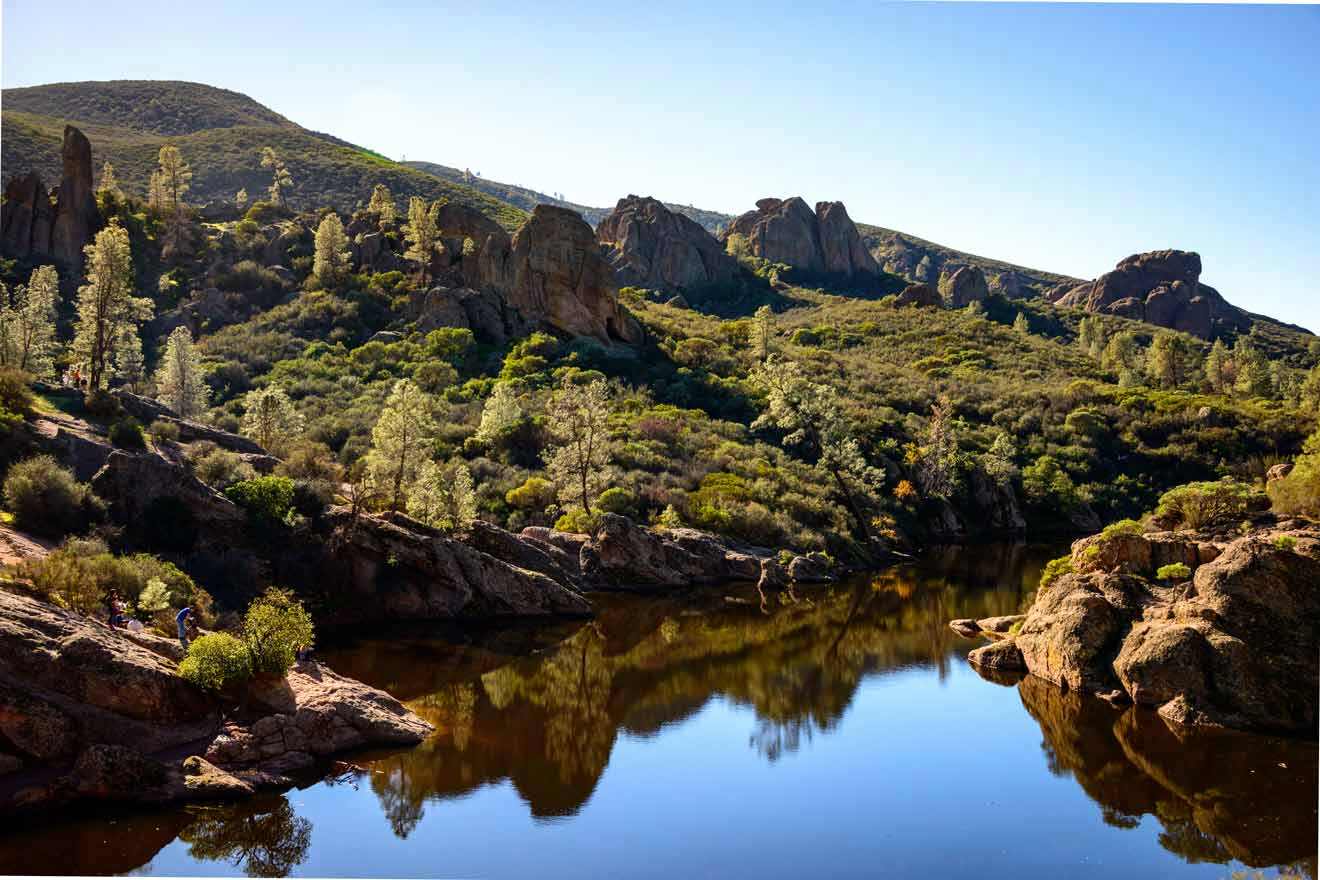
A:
{"x":839,"y":732}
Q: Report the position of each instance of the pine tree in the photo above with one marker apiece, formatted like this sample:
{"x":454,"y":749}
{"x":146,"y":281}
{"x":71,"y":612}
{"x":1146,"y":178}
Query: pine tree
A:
{"x":578,"y":419}
{"x":281,"y":180}
{"x":443,"y":498}
{"x":1091,"y":335}
{"x":27,"y":323}
{"x":129,"y":365}
{"x":422,"y":233}
{"x":382,"y":205}
{"x":1123,"y":355}
{"x":763,"y":335}
{"x":1253,"y":371}
{"x":331,"y":261}
{"x":270,"y":418}
{"x":179,"y":383}
{"x":172,"y":181}
{"x":106,"y":304}
{"x":998,"y":461}
{"x":938,"y":474}
{"x":241,"y":199}
{"x":1169,"y":360}
{"x":401,"y":441}
{"x":1218,"y":368}
{"x":500,"y":414}
{"x":109,"y":183}
{"x":1021,"y":324}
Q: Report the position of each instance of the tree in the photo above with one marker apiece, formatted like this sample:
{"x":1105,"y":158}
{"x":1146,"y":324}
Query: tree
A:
{"x":443,"y":498}
{"x":129,"y":365}
{"x":270,"y":419}
{"x":422,"y":233}
{"x":106,"y":304}
{"x":1168,"y":363}
{"x":109,"y":183}
{"x":382,"y":204}
{"x":812,"y":414}
{"x":179,"y":382}
{"x":500,"y":414}
{"x":1021,"y":325}
{"x":241,"y":199}
{"x":331,"y":261}
{"x":1310,"y":391}
{"x":1219,"y":372}
{"x":578,"y":418}
{"x":1123,"y":355}
{"x":1091,"y":335}
{"x":27,"y":323}
{"x":281,"y":180}
{"x":1253,"y":370}
{"x":764,"y":333}
{"x":938,"y":473}
{"x":998,"y":461}
{"x":170,"y":182}
{"x":401,"y":441}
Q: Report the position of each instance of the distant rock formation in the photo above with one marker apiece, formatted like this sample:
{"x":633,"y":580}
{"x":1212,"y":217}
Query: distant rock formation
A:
{"x":823,"y":242}
{"x":963,"y":287}
{"x":30,"y":226}
{"x":919,"y":295}
{"x":1160,"y":287}
{"x":651,"y":246}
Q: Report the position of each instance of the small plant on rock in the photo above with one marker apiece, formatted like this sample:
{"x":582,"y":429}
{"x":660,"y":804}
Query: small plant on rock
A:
{"x":1174,"y":571}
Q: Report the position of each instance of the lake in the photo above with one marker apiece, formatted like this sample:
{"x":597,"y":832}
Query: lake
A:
{"x":832,"y":731}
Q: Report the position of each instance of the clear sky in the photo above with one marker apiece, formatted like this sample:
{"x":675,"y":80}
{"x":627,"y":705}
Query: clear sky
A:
{"x":1062,"y":137}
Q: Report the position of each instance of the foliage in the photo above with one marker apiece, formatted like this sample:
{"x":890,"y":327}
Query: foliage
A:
{"x":401,"y":441}
{"x":81,"y":573}
{"x":46,"y":499}
{"x":1055,"y":569}
{"x":535,"y":494}
{"x":422,"y":233}
{"x":127,"y":434}
{"x":331,"y":261}
{"x":216,"y":662}
{"x":27,"y":323}
{"x":281,"y":181}
{"x":179,"y":383}
{"x":1123,"y":527}
{"x":275,"y":627}
{"x":1174,"y":571}
{"x":15,"y":392}
{"x":1285,"y":542}
{"x":578,"y":522}
{"x":268,"y":500}
{"x":216,"y":467}
{"x":1199,"y":505}
{"x":500,"y":414}
{"x":443,"y":497}
{"x":577,"y":462}
{"x":270,"y":419}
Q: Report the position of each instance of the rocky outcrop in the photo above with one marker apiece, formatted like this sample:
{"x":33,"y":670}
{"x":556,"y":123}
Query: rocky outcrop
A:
{"x":823,"y":242}
{"x":146,"y":411}
{"x":31,"y":227}
{"x":87,"y":712}
{"x":552,"y":271}
{"x":623,"y":555}
{"x":484,"y":312}
{"x":1162,"y":288}
{"x":650,"y":246}
{"x":964,"y":287}
{"x":1237,"y":646}
{"x":918,"y":295}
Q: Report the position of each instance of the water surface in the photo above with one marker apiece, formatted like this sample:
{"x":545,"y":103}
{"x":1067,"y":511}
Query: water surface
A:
{"x":833,"y":731}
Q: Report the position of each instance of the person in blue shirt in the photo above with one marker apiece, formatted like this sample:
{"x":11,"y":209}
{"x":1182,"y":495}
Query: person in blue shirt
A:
{"x":182,"y":620}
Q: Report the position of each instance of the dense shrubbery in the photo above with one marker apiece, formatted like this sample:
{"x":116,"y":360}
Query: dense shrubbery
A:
{"x":275,"y":627}
{"x":127,"y":434}
{"x":1298,"y":493}
{"x":1201,"y":505}
{"x":268,"y":500}
{"x":46,"y":499}
{"x":217,"y":662}
{"x":15,"y":393}
{"x":1174,"y":571}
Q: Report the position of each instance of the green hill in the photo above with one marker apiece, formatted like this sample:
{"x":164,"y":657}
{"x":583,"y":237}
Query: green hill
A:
{"x":220,"y":134}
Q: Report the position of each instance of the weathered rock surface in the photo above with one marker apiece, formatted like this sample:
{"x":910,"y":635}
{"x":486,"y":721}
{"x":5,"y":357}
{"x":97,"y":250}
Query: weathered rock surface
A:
{"x":1239,"y":646}
{"x":651,"y":246}
{"x":31,"y":227}
{"x":484,"y":312}
{"x":623,"y":555}
{"x":919,"y":294}
{"x":146,"y":411}
{"x":824,"y":242}
{"x":965,"y":286}
{"x":998,"y":655}
{"x":1162,"y":288}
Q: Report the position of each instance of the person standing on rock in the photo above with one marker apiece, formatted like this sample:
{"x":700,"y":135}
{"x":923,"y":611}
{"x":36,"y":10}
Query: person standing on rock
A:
{"x":181,"y":619}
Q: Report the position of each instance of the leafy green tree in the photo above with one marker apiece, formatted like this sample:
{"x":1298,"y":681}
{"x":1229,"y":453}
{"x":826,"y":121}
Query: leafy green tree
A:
{"x":1091,"y":335}
{"x":269,"y":418}
{"x":999,"y":461}
{"x":578,"y":460}
{"x":813,"y":416}
{"x":216,"y":662}
{"x":281,"y":181}
{"x":179,"y":381}
{"x":500,"y":414}
{"x":109,"y":184}
{"x":275,"y":627}
{"x":1219,"y":370}
{"x":401,"y":441}
{"x":443,"y":498}
{"x":1310,"y":390}
{"x":937,"y":470}
{"x":1169,"y":361}
{"x":330,"y":262}
{"x":1123,"y":355}
{"x":27,"y":323}
{"x":382,"y":204}
{"x":107,"y":307}
{"x":1021,"y":325}
{"x":422,"y":233}
{"x":1253,"y":371}
{"x":764,"y":333}
{"x":170,"y":182}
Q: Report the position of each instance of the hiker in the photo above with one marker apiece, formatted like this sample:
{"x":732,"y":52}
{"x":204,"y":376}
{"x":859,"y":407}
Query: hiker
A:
{"x":115,"y":604}
{"x":182,"y":619}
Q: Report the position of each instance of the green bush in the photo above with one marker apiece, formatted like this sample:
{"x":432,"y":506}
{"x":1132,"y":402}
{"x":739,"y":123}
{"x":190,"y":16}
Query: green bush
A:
{"x":1174,"y":571}
{"x":1055,"y":569}
{"x":266,"y":499}
{"x":535,"y":494}
{"x":15,"y":392}
{"x":1199,"y":505}
{"x":1285,"y":542}
{"x":577,"y":521}
{"x":101,"y":404}
{"x":216,"y":662}
{"x":617,"y":500}
{"x":216,"y":467}
{"x":127,"y":434}
{"x":46,"y":499}
{"x":163,"y":430}
{"x":275,"y":627}
{"x":1298,"y":494}
{"x":1123,"y":527}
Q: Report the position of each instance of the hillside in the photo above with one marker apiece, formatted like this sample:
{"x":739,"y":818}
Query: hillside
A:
{"x":527,"y":199}
{"x":220,"y":134}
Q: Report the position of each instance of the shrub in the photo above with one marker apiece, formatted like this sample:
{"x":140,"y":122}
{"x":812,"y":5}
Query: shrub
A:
{"x":216,"y":662}
{"x":267,"y":500}
{"x":127,"y":434}
{"x":1123,"y":527}
{"x":15,"y":393}
{"x":1298,"y":494}
{"x":577,"y":521}
{"x":163,"y":430}
{"x":217,"y":467}
{"x":46,"y":499}
{"x":536,"y":493}
{"x":617,"y":500}
{"x":101,"y":404}
{"x":275,"y":627}
{"x":1198,"y":505}
{"x":1055,"y":569}
{"x":1174,"y":571}
{"x":1285,"y":542}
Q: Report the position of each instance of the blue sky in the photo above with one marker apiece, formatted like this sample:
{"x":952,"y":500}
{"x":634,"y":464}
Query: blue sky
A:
{"x":1062,"y":137}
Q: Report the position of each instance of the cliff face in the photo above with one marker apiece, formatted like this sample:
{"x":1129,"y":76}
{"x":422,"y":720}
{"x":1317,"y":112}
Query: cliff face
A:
{"x":30,"y":226}
{"x":650,"y":246}
{"x":825,"y":241}
{"x":1160,"y":287}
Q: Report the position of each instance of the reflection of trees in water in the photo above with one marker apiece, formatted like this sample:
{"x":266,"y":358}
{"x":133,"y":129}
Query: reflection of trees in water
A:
{"x":264,"y":836}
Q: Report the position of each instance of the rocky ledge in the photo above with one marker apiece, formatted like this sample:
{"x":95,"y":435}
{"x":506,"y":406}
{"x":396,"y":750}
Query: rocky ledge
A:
{"x":1235,"y":644}
{"x":90,"y":713}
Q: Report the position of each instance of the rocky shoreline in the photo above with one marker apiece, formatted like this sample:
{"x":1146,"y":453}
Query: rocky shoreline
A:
{"x":1232,"y":640}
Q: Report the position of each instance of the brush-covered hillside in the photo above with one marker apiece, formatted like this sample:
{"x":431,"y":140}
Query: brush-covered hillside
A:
{"x":220,"y":134}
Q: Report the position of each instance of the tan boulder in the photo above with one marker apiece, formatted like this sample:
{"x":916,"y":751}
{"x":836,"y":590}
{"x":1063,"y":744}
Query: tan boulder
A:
{"x":965,"y":286}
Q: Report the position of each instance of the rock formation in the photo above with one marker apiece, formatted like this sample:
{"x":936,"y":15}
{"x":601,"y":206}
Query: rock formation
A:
{"x":919,"y":295}
{"x":1237,"y":646}
{"x":965,"y":286}
{"x":651,"y":246}
{"x":1160,"y":287}
{"x":31,"y":227}
{"x":825,"y":242}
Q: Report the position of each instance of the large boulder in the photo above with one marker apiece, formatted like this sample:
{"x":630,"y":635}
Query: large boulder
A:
{"x":651,"y":246}
{"x":623,"y":555}
{"x":484,"y":312}
{"x":1160,"y":287}
{"x":76,"y":214}
{"x":919,"y":294}
{"x":964,"y":287}
{"x":820,"y":242}
{"x":842,"y":251}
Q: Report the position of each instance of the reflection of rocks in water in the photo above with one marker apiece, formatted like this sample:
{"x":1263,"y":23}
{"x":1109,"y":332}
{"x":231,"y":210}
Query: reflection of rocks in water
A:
{"x":263,"y":837}
{"x":1219,"y":795}
{"x":87,"y":845}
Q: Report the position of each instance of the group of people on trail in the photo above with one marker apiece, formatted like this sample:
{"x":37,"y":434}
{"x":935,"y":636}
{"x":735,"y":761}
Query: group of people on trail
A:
{"x":117,"y":617}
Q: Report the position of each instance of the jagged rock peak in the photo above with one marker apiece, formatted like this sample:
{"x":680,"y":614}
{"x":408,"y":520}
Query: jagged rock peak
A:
{"x":31,"y":227}
{"x":823,"y":241}
{"x":650,"y":246}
